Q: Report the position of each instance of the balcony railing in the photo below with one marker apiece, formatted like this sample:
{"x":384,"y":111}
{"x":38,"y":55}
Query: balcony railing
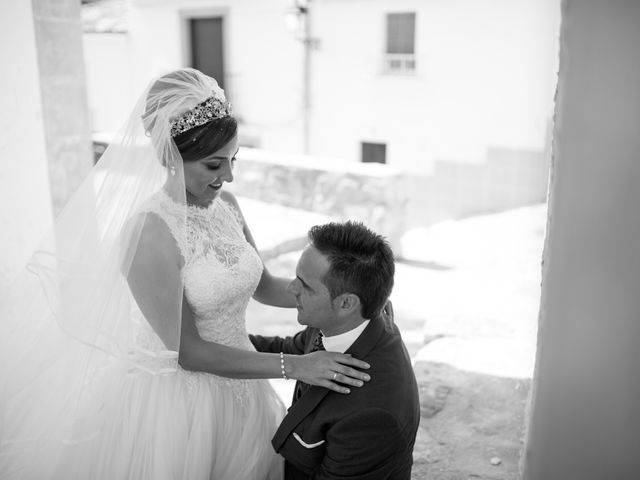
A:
{"x":399,"y":63}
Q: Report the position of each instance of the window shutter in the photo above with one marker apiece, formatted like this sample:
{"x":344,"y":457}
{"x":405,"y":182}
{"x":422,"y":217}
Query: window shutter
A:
{"x":401,"y":32}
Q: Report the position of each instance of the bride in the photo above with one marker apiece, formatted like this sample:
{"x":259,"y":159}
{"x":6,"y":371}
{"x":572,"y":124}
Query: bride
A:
{"x":123,"y":350}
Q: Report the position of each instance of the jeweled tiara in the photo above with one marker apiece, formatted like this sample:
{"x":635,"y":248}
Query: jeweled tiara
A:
{"x":213,"y":107}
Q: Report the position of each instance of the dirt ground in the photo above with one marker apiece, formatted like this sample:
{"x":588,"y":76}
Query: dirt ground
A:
{"x":472,"y":425}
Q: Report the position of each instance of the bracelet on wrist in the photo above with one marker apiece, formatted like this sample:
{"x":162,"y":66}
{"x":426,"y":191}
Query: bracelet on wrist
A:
{"x":284,"y":374}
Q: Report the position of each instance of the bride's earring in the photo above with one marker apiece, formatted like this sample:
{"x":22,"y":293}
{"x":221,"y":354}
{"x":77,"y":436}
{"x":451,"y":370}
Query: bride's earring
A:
{"x":172,"y":170}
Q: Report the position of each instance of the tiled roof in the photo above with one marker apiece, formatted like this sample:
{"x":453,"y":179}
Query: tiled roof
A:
{"x":105,"y":16}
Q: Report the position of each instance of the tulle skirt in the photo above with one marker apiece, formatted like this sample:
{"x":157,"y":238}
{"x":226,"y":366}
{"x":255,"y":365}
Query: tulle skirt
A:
{"x":181,"y":425}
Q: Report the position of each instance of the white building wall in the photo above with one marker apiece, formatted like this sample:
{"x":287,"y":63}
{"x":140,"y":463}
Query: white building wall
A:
{"x":265,"y":74}
{"x":469,"y":129}
{"x":262,"y":59}
{"x":485,"y":76}
{"x":110,"y":90}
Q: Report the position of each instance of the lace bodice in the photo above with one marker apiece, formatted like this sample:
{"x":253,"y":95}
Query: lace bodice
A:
{"x":221,"y":269}
{"x":220,"y":273}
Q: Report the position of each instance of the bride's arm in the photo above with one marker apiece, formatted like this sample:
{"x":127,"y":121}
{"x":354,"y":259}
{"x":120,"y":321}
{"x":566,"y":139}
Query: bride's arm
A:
{"x":155,"y":281}
{"x":271,"y":290}
{"x":154,"y":277}
{"x":315,"y":368}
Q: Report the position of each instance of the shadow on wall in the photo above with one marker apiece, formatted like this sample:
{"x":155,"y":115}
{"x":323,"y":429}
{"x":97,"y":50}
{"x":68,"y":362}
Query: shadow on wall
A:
{"x":509,"y":178}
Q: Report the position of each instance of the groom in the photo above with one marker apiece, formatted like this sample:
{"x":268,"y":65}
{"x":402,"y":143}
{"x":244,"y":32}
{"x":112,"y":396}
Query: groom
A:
{"x":343,"y":280}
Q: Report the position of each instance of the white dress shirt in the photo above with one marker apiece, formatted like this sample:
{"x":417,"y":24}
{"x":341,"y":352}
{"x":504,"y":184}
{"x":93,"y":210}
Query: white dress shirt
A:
{"x":340,"y":343}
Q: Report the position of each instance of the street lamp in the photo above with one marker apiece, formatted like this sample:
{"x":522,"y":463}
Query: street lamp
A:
{"x":299,"y":20}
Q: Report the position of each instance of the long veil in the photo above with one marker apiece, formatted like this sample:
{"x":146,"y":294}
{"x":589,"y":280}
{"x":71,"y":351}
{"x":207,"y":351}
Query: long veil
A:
{"x":70,"y":324}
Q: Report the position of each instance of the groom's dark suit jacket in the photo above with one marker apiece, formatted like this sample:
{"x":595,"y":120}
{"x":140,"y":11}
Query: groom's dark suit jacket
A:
{"x":366,"y":434}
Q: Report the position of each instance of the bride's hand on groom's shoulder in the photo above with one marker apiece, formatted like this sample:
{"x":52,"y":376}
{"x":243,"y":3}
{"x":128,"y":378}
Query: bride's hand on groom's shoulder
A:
{"x":332,"y":370}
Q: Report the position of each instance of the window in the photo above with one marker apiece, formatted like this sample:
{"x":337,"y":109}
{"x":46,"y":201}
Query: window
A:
{"x":400,"y":53}
{"x":374,"y":152}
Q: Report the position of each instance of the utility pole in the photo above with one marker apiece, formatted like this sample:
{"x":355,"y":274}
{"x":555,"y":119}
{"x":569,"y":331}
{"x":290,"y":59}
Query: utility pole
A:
{"x":306,"y":88}
{"x":309,"y":44}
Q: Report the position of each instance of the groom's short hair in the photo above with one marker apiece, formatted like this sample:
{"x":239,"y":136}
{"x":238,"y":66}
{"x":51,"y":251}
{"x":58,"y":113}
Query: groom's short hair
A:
{"x":360,"y":262}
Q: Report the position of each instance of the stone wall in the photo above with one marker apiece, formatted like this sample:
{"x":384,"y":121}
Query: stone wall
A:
{"x":371,"y":193}
{"x":393,"y":202}
{"x":389,"y":201}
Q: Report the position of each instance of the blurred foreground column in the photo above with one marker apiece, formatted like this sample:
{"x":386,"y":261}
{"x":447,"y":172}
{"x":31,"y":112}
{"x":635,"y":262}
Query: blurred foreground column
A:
{"x":25,"y":200}
{"x":585,"y":413}
{"x":65,"y":110}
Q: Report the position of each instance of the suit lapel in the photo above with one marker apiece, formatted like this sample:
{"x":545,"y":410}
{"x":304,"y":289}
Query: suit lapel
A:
{"x":310,"y":400}
{"x":367,"y":339}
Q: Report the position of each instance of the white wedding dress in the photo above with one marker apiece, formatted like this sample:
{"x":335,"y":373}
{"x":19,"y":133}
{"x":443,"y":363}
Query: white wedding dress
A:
{"x":173,"y":424}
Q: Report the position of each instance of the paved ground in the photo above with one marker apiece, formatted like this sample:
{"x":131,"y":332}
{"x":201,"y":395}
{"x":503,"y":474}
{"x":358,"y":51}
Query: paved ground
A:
{"x":466,"y":300}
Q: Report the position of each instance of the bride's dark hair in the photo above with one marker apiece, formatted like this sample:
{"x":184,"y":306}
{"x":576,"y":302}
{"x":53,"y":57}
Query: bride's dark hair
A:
{"x":172,"y":91}
{"x":200,"y":142}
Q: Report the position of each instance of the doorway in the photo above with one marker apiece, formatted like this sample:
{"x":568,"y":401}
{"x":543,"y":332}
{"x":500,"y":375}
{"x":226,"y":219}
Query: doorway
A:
{"x":207,"y":46}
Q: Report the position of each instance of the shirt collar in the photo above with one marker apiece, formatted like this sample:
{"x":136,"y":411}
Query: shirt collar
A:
{"x":340,"y":343}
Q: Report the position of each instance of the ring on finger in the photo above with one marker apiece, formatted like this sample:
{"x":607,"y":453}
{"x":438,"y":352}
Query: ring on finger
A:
{"x":335,"y":375}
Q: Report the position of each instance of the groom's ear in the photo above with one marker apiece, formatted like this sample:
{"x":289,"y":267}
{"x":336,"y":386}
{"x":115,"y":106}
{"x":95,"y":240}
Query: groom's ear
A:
{"x":347,"y":304}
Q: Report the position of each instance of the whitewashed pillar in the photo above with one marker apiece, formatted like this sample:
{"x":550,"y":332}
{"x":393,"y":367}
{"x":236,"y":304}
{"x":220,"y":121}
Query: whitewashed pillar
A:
{"x":25,"y":200}
{"x":585,"y":414}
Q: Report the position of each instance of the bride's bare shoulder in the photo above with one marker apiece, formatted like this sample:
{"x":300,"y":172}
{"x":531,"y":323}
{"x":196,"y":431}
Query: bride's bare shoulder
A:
{"x":150,"y":236}
{"x":229,"y":197}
